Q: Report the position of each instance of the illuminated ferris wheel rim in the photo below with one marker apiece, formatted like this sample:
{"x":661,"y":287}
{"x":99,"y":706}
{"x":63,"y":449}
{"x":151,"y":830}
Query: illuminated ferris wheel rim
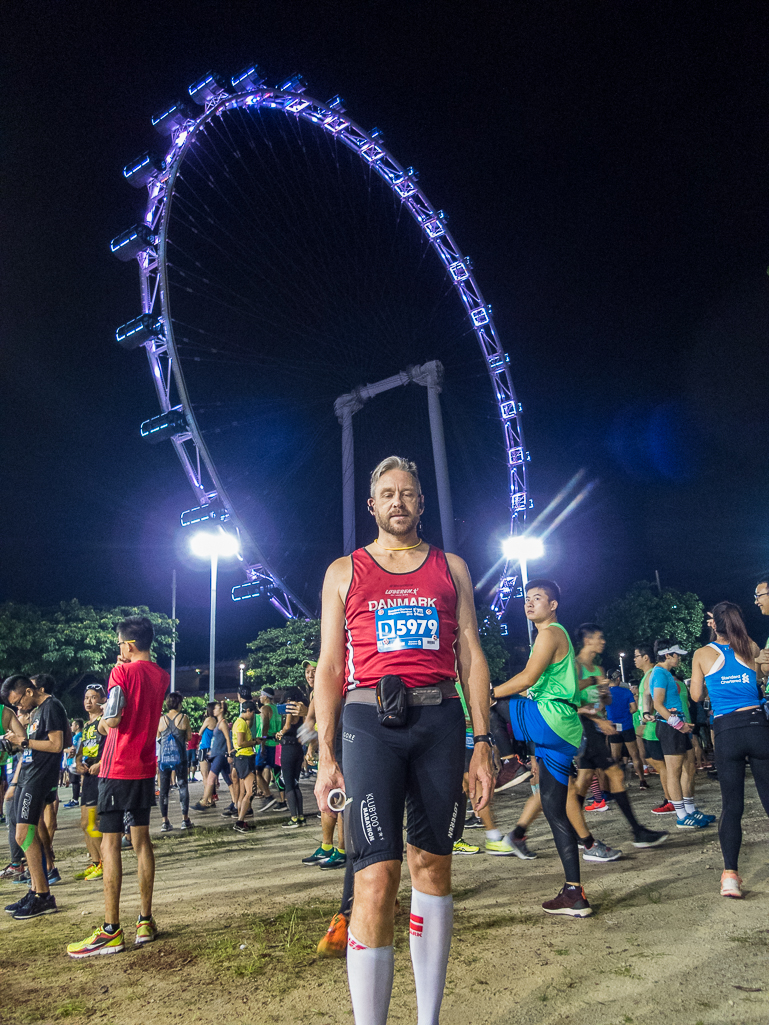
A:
{"x":216,"y":98}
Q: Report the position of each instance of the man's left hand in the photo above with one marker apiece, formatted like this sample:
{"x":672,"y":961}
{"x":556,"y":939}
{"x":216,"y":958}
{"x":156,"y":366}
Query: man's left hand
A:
{"x":480,"y":776}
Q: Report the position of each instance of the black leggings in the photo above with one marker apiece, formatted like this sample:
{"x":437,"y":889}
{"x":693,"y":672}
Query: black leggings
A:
{"x":553,"y":794}
{"x":291,"y":758}
{"x":75,"y":778}
{"x":733,"y":746}
{"x":184,"y":790}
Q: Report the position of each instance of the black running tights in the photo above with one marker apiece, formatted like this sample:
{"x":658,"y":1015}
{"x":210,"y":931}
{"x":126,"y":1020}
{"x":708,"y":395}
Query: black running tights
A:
{"x":184,"y":790}
{"x":553,"y":794}
{"x":732,"y":748}
{"x":291,"y":758}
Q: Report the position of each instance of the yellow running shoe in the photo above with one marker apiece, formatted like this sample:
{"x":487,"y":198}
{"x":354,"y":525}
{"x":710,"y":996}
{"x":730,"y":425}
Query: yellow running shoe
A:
{"x":146,"y":931}
{"x":462,"y":847}
{"x":99,"y":942}
{"x":94,"y":872}
{"x":86,"y":872}
{"x":334,"y":943}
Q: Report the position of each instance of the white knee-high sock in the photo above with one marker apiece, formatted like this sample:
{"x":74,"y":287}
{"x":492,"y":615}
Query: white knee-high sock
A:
{"x":432,"y":921}
{"x":370,"y":978}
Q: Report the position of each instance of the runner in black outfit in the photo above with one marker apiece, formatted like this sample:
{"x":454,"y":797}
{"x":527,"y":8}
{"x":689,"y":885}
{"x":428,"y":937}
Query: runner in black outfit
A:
{"x":727,"y":667}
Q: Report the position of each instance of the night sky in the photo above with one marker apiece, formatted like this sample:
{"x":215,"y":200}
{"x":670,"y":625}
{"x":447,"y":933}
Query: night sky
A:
{"x":604,"y":164}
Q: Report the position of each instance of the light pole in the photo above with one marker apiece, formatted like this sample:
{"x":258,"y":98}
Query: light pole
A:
{"x":241,"y":667}
{"x":213,"y":545}
{"x":520,"y":548}
{"x":622,"y":665}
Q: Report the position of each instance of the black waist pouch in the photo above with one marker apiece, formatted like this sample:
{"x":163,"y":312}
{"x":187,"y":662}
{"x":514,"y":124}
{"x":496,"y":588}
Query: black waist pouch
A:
{"x":391,"y":701}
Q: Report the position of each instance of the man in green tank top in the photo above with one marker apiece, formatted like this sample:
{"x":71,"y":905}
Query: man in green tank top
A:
{"x":550,"y":721}
{"x":268,"y":724}
{"x":646,"y":727}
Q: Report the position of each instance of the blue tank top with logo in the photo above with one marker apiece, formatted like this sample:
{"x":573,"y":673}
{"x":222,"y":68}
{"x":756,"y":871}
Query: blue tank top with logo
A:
{"x":731,"y":684}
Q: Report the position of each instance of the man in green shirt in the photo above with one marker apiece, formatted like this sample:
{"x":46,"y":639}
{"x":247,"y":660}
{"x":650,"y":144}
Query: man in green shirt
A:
{"x":552,"y":724}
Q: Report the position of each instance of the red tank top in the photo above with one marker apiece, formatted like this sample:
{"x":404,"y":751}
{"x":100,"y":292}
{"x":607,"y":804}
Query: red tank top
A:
{"x":404,"y":624}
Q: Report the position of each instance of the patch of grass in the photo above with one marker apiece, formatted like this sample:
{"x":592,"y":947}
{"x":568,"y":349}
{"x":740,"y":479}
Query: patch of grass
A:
{"x":281,"y":944}
{"x":71,"y":1007}
{"x":760,"y":938}
{"x":561,"y":952}
{"x":625,"y":971}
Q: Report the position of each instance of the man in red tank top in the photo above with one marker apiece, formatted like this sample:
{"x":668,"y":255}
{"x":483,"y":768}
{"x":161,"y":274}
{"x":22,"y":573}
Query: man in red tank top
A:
{"x":400,"y":608}
{"x":135,"y":693}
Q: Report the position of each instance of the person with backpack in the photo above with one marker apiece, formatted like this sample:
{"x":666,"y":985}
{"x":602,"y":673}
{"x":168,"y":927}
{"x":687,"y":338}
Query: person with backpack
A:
{"x":173,"y":733}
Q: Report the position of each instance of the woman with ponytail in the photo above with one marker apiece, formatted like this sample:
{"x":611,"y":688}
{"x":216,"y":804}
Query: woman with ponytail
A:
{"x":727,"y":668}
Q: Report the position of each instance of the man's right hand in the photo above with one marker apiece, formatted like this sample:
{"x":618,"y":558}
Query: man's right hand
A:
{"x":329,"y":778}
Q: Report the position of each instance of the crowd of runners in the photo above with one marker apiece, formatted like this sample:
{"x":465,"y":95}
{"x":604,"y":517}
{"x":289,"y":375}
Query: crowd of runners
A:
{"x":397,"y":719}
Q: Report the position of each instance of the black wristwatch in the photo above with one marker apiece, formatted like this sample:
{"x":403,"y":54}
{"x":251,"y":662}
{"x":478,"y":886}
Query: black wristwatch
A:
{"x":24,"y":744}
{"x":484,"y":738}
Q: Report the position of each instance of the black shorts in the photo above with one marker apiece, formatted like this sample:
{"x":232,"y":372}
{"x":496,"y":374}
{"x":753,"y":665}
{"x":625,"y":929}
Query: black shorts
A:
{"x":623,"y":737}
{"x":339,"y":746}
{"x":33,"y":792}
{"x":245,"y":765}
{"x":52,"y":796}
{"x":653,"y":750}
{"x":672,"y":741}
{"x":417,"y":768}
{"x":117,"y":796}
{"x":89,"y":791}
{"x":596,"y":754}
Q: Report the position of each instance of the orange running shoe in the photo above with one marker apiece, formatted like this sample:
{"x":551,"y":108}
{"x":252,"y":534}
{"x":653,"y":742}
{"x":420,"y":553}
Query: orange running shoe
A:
{"x":334,"y":943}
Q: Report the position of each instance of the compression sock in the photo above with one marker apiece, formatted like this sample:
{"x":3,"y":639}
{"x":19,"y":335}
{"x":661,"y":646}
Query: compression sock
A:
{"x":595,"y":787}
{"x":680,"y":810}
{"x":689,"y":806}
{"x":370,"y":978}
{"x":623,"y":803}
{"x":493,"y":834}
{"x":430,"y":928}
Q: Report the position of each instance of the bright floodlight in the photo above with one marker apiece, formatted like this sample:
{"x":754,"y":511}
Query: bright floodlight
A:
{"x":214,"y":542}
{"x":522,"y":547}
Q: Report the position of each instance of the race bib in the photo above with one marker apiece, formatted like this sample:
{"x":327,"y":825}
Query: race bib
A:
{"x":407,"y":626}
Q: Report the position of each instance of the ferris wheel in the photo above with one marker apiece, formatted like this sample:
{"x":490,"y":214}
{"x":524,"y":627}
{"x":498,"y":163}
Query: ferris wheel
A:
{"x":282,"y":251}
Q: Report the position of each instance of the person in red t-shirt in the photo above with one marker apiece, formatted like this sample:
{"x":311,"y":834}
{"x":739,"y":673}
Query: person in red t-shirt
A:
{"x":136,"y":689}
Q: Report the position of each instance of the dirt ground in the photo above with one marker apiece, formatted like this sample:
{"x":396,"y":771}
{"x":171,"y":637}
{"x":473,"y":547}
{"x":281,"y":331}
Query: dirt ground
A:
{"x":240,"y":918}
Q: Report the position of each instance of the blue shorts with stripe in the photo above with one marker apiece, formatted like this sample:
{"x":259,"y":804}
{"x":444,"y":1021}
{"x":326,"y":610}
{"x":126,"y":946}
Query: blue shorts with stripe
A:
{"x":528,"y":724}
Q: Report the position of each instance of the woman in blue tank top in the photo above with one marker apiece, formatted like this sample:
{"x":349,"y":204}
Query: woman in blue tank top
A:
{"x":727,"y":668}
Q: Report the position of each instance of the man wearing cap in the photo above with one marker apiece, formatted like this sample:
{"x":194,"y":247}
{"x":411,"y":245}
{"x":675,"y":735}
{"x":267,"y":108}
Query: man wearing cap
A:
{"x":761,"y":598}
{"x":673,"y":732}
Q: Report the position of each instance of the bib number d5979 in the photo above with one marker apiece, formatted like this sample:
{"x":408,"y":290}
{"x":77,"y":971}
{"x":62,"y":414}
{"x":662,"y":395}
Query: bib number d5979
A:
{"x":407,"y":626}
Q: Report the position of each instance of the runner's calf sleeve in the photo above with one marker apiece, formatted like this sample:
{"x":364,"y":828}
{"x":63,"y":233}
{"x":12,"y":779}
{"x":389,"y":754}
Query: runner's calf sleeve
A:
{"x":595,"y":787}
{"x":430,"y":928}
{"x":370,"y":978}
{"x":554,"y":807}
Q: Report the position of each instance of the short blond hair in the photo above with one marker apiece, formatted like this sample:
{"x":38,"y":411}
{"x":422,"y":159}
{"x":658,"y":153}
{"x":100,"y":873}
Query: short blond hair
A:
{"x":395,"y":463}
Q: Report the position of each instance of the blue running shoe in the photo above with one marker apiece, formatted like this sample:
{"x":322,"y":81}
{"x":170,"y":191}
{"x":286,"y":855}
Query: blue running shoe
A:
{"x":706,"y":819}
{"x":691,"y":822}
